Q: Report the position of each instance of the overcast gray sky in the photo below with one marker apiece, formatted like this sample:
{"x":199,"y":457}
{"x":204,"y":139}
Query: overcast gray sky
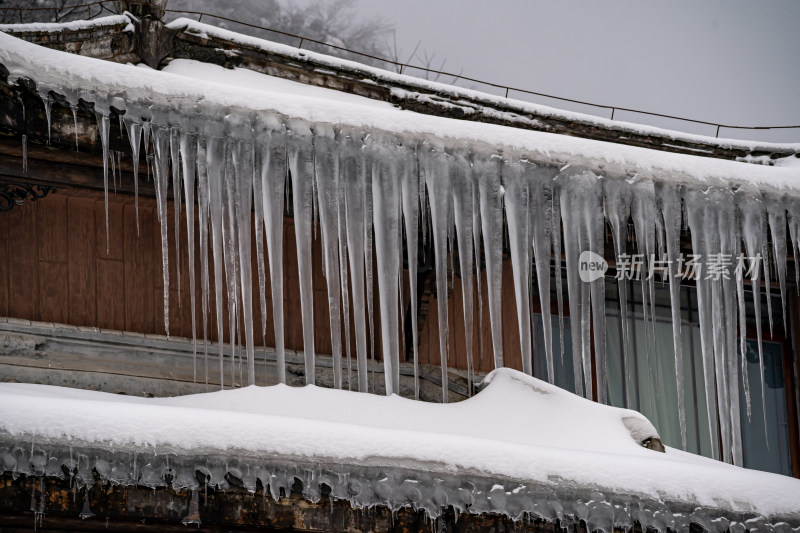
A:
{"x":735,"y":62}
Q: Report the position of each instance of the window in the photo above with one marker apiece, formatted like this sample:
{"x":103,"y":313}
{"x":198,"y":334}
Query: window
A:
{"x":650,"y":373}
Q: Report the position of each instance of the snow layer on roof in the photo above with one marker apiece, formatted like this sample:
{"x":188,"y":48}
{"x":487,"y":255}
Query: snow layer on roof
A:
{"x":517,"y":427}
{"x":246,"y":78}
{"x":75,"y":25}
{"x":202,"y":29}
{"x":106,"y":83}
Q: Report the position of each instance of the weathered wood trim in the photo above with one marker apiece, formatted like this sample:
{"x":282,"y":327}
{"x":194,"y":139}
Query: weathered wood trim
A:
{"x":155,"y":365}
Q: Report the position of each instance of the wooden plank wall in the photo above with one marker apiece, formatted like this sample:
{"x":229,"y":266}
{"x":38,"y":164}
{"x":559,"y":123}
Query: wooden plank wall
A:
{"x":54,"y":267}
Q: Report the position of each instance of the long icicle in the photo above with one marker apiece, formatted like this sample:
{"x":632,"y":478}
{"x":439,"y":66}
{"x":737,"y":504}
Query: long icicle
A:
{"x":541,"y":229}
{"x":203,"y":225}
{"x":753,"y":231}
{"x":461,"y":177}
{"x":243,"y":162}
{"x":410,"y":191}
{"x":161,"y":142}
{"x":434,"y":163}
{"x":215,"y":154}
{"x":326,"y":165}
{"x":618,"y":210}
{"x":104,"y":124}
{"x":135,"y":138}
{"x":274,"y":169}
{"x":518,"y":208}
{"x":354,"y":175}
{"x":301,"y":170}
{"x":174,"y":152}
{"x":386,"y":198}
{"x":188,"y":151}
{"x":671,"y":215}
{"x":258,"y":227}
{"x":487,"y":175}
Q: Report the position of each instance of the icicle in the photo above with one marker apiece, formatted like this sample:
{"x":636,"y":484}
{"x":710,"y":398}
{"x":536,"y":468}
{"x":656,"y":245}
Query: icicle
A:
{"x":243,"y":163}
{"x":326,"y":165}
{"x":48,"y":108}
{"x":215,"y":154}
{"x":696,"y":217}
{"x":556,"y":238}
{"x":353,"y":174}
{"x":301,"y":169}
{"x":434,"y":165}
{"x":273,"y":165}
{"x":368,"y":253}
{"x":103,"y":124}
{"x":793,"y":219}
{"x":764,"y":241}
{"x":174,"y":151}
{"x":541,"y":229}
{"x":671,"y":215}
{"x":518,"y":209}
{"x":487,"y":175}
{"x":74,"y":109}
{"x":461,"y":186}
{"x":342,"y":233}
{"x":742,"y":320}
{"x":135,"y":137}
{"x":730,"y":236}
{"x":476,"y":243}
{"x":387,"y":168}
{"x":580,"y":194}
{"x":188,"y":153}
{"x":202,"y":220}
{"x":643,"y":213}
{"x":410,"y":197}
{"x":146,"y":128}
{"x":230,"y":231}
{"x":753,"y":229}
{"x":258,"y":212}
{"x":618,"y":208}
{"x":160,"y":140}
{"x":776,"y":212}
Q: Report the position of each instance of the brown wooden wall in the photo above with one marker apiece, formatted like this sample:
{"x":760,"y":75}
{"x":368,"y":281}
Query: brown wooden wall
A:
{"x":54,"y":267}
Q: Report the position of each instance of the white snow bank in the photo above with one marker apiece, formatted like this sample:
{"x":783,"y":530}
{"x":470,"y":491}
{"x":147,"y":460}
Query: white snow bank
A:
{"x":105,"y":82}
{"x":75,"y":25}
{"x":206,"y":30}
{"x":517,"y":427}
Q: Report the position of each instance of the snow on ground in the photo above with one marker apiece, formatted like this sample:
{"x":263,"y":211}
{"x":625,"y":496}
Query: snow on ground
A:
{"x":105,"y":82}
{"x":517,"y":427}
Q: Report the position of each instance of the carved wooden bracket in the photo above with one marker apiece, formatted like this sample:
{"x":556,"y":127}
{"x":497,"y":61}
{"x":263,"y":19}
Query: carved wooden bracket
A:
{"x":13,"y":194}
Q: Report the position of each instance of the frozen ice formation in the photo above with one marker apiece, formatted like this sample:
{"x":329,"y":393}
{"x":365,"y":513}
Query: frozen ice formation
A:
{"x":373,"y":179}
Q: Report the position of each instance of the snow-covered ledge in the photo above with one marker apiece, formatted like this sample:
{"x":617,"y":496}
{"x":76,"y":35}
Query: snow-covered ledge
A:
{"x":553,"y":455}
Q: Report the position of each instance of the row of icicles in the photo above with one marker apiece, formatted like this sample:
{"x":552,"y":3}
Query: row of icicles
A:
{"x":371,"y":192}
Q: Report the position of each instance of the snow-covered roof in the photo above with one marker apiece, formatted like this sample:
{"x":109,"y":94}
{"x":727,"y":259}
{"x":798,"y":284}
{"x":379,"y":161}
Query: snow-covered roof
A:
{"x":519,"y":431}
{"x":427,"y":86}
{"x":168,"y":98}
{"x":74,"y":25}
